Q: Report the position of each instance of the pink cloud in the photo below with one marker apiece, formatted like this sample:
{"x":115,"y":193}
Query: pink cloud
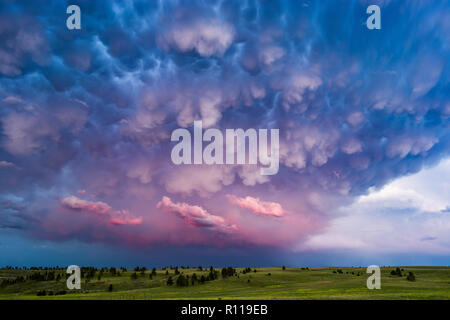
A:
{"x":195,"y":215}
{"x":258,"y":206}
{"x":120,"y":217}
{"x":76,"y":203}
{"x":81,"y":192}
{"x":129,"y":222}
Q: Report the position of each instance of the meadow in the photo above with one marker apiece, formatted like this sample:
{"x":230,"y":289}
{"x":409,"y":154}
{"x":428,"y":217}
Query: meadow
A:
{"x":242,"y":283}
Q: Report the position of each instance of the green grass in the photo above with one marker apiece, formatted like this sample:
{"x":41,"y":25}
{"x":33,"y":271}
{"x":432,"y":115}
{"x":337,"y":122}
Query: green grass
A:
{"x":292,"y":283}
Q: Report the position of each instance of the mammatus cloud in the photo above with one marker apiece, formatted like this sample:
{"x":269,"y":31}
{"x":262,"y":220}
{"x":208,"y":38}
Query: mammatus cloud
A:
{"x":207,"y":37}
{"x":195,"y":215}
{"x":6,"y":164}
{"x":258,"y":206}
{"x":95,"y":108}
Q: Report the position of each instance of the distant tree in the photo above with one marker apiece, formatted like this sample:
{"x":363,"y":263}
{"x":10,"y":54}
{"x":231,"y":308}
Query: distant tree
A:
{"x":411,"y":277}
{"x":212,"y":275}
{"x":42,"y":293}
{"x":202,"y":279}
{"x":134,"y":276}
{"x":396,"y":272}
{"x":228,"y":272}
{"x":181,"y":281}
{"x":167,"y":272}
{"x":99,"y":277}
{"x":283,"y":268}
{"x":153,"y":272}
{"x":150,"y":276}
{"x":200,"y":268}
{"x":194,"y":279}
{"x":246,"y":270}
{"x":169,"y":281}
{"x":176,"y":271}
{"x":110,"y":288}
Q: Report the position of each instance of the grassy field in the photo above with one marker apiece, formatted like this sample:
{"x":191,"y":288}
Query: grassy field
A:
{"x":265,"y":283}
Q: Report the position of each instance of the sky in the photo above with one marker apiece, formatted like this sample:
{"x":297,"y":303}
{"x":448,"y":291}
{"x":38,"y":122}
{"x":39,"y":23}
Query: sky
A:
{"x":86,"y":117}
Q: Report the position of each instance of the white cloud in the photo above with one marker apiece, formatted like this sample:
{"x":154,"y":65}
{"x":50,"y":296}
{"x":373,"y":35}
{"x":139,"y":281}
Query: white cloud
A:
{"x":407,"y":215}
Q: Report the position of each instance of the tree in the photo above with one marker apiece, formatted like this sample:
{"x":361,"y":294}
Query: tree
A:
{"x":134,"y":276}
{"x":110,"y":288}
{"x":246,"y":270}
{"x":182,"y":281}
{"x":169,"y":281}
{"x":411,"y":277}
{"x":396,"y":272}
{"x":212,"y":275}
{"x":194,"y":279}
{"x":228,"y":272}
{"x":283,"y":268}
{"x":153,"y":272}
